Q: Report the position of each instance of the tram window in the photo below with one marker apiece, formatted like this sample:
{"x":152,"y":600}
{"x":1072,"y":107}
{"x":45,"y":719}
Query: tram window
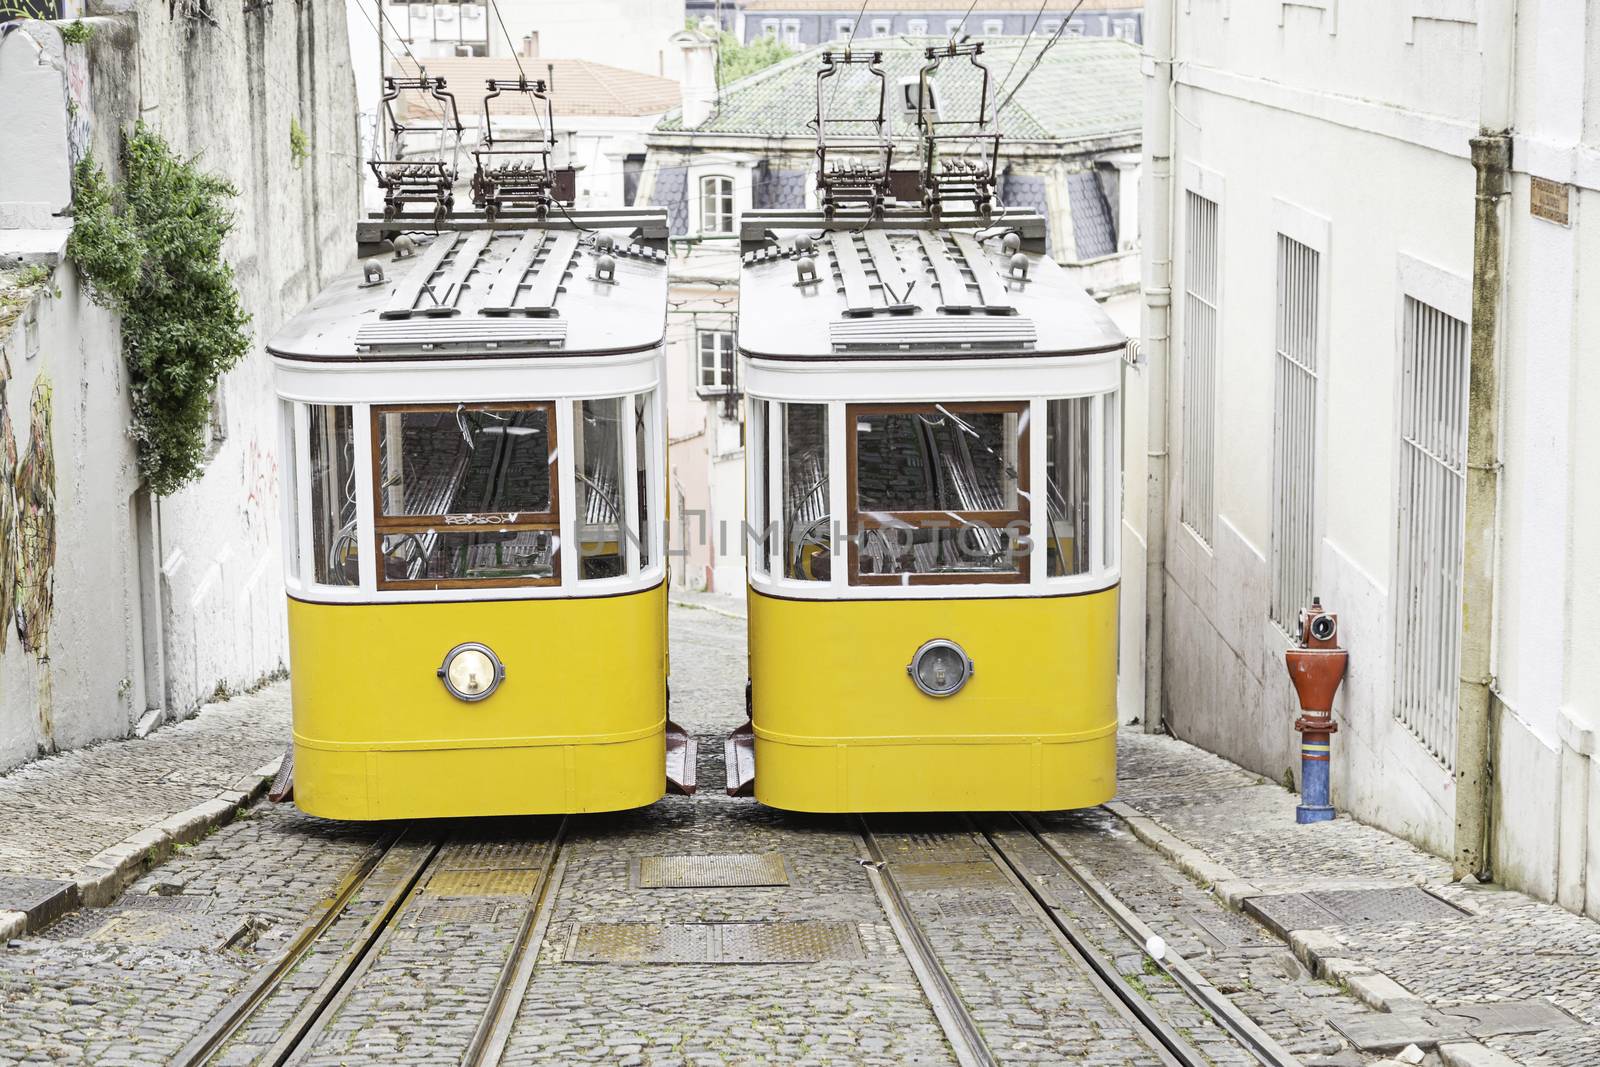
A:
{"x":482,"y":472}
{"x":806,"y":520}
{"x":1111,"y":454}
{"x":289,"y":475}
{"x":1067,"y":491}
{"x":938,"y":493}
{"x":464,"y":459}
{"x":601,"y":548}
{"x":473,"y":555}
{"x":758,"y":537}
{"x":641,"y":453}
{"x":334,"y":553}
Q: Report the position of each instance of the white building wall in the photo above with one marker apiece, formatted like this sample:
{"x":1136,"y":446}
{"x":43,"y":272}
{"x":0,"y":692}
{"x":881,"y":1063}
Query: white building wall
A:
{"x":587,"y":29}
{"x":1363,"y":117}
{"x":158,"y":606}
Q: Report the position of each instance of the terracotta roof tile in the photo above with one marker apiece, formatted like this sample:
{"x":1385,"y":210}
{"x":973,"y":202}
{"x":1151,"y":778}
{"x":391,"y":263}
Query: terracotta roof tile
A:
{"x":579,"y":86}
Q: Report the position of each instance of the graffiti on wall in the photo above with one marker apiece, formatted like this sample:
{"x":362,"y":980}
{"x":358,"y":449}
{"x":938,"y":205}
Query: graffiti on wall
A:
{"x":8,"y":509}
{"x":261,"y":491}
{"x":35,"y":483}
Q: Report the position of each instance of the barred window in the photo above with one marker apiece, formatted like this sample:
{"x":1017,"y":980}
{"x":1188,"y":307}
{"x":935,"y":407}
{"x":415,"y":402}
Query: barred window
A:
{"x":1200,"y":306}
{"x":1433,"y":468}
{"x":1294,"y":461}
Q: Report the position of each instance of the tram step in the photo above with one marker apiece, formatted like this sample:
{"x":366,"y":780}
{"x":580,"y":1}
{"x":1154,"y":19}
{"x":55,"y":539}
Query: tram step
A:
{"x":740,"y":756}
{"x":681,"y":751}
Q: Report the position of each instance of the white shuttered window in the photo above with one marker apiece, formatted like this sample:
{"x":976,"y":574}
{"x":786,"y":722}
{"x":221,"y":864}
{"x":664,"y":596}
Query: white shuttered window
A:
{"x":1200,"y":299}
{"x":1294,"y":432}
{"x":1433,"y":454}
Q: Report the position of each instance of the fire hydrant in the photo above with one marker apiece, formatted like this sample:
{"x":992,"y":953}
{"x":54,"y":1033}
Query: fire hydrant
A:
{"x":1316,"y":667}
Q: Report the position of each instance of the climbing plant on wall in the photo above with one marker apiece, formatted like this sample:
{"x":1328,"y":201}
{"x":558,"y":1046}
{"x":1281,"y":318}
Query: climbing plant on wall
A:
{"x":150,"y":248}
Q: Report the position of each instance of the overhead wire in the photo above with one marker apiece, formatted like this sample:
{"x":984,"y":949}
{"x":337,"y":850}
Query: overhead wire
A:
{"x":1060,"y":30}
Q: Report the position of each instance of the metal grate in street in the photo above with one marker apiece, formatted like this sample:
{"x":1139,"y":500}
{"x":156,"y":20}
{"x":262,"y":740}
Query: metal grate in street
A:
{"x":482,"y":883}
{"x":1285,"y":912}
{"x":745,"y":869}
{"x":777,"y":942}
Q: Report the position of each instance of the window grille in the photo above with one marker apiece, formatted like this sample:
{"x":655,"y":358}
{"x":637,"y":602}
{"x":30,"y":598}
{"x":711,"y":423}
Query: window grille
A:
{"x":1433,"y":465}
{"x":1294,"y":437}
{"x":1200,"y":300}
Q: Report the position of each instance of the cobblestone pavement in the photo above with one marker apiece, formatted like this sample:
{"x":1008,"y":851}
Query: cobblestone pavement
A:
{"x":131,"y":984}
{"x":61,"y":811}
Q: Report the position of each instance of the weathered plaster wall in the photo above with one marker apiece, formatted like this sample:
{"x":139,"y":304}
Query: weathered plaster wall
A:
{"x":158,"y":604}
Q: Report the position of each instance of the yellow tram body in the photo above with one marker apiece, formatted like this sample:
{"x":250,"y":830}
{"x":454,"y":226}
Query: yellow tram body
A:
{"x":474,"y":504}
{"x":581,"y":731}
{"x":933,"y":480}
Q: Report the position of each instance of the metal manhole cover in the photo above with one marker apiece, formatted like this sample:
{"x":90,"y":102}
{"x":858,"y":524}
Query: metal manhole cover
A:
{"x":482,"y":883}
{"x":973,"y":874}
{"x":453,"y":912}
{"x":1285,"y":912}
{"x":491,"y":856}
{"x":1226,"y":931}
{"x":708,"y":872}
{"x":927,"y":845}
{"x":979,"y":908}
{"x":1503,"y":1018}
{"x":778,"y":942}
{"x":158,"y":902}
{"x":161,"y":929}
{"x":41,"y":899}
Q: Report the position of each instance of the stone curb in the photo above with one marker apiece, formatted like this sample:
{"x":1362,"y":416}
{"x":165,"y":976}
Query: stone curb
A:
{"x":675,"y":602}
{"x":1319,"y":950}
{"x":103,"y":878}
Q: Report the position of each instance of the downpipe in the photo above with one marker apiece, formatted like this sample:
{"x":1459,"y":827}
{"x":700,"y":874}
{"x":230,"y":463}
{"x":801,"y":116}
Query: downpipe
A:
{"x":1474,"y":773}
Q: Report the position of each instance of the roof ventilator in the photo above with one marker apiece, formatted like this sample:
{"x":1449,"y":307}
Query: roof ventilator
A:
{"x":513,"y":170}
{"x":419,"y":175}
{"x":853,"y":151}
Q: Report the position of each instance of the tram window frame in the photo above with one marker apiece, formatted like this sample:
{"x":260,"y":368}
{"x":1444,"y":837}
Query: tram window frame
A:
{"x":857,"y":520}
{"x":593,"y":549}
{"x":548,"y":520}
{"x":1085,"y":491}
{"x":289,"y":490}
{"x":341,"y":468}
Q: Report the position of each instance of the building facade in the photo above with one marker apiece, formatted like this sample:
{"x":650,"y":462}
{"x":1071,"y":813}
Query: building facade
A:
{"x":1366,"y":269}
{"x":1070,"y":153}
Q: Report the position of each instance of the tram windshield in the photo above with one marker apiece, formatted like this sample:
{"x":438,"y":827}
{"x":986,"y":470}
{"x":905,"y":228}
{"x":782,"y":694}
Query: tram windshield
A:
{"x":938,"y":493}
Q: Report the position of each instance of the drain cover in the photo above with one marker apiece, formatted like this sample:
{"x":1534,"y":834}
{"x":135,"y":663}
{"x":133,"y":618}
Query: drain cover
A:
{"x":927,"y":845}
{"x":975,"y":874}
{"x":157,"y":902}
{"x":479,"y":883}
{"x":779,"y":942}
{"x":42,"y":899}
{"x":451,"y":912}
{"x":987,"y":907}
{"x":1505,"y":1017}
{"x":1224,"y":931}
{"x":150,"y":928}
{"x":1349,"y":907}
{"x":491,"y":855}
{"x":707,"y":872}
{"x":1384,"y":1032}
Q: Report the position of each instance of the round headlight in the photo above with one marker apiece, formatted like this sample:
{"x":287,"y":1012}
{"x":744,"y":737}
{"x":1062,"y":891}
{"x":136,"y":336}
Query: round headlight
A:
{"x":471,"y":671}
{"x":940,"y":668}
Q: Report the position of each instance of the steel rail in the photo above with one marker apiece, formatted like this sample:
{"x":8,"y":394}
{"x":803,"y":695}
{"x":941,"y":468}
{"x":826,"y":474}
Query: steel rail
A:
{"x":295,"y":1043}
{"x":226,"y":1022}
{"x":489,"y":1041}
{"x":960,"y":1028}
{"x":1170,"y":1046}
{"x":1232,"y":1018}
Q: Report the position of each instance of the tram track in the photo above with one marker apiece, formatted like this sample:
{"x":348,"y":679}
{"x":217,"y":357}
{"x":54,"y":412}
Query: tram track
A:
{"x":418,"y":853}
{"x":963,"y":1030}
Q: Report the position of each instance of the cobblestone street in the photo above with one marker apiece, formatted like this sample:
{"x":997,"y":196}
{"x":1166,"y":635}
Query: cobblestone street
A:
{"x":618,"y":948}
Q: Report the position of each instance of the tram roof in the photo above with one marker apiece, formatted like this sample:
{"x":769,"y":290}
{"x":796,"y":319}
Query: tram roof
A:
{"x":479,"y":289}
{"x":907,"y":287}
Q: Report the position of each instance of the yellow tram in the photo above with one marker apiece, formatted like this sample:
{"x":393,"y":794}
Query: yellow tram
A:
{"x":473,"y":442}
{"x":933,"y":473}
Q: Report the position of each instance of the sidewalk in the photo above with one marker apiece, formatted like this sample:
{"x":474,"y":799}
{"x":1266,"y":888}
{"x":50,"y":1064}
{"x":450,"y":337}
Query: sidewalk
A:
{"x":81,"y":825}
{"x":1236,"y":832}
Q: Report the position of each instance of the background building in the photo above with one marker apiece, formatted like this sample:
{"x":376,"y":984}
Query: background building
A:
{"x":1070,"y":153}
{"x":1374,"y":393}
{"x":803,"y":23}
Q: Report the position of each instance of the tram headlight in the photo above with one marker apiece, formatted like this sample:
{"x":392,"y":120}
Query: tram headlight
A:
{"x":471,"y":671}
{"x":940,"y":668}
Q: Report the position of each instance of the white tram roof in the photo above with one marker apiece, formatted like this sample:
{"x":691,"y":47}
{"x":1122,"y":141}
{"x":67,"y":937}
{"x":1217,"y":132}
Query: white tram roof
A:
{"x":906,"y":288}
{"x":482,"y":290}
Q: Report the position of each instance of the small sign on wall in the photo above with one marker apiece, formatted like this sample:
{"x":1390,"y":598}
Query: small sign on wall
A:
{"x":1549,"y":200}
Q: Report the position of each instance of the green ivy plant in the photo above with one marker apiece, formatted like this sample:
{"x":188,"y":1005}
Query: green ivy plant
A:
{"x":299,"y":143}
{"x":150,"y":248}
{"x":76,"y":32}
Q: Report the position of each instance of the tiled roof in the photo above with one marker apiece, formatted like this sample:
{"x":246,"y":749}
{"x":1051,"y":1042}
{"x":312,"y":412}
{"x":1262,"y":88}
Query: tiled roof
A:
{"x":579,"y":86}
{"x":933,"y":7}
{"x":1085,"y":87}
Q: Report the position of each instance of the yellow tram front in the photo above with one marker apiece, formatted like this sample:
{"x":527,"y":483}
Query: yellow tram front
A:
{"x":472,"y":504}
{"x":922,"y":400}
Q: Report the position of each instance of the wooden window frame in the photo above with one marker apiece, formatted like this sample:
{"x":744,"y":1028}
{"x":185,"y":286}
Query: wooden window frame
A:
{"x":856,"y":521}
{"x":382,"y":524}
